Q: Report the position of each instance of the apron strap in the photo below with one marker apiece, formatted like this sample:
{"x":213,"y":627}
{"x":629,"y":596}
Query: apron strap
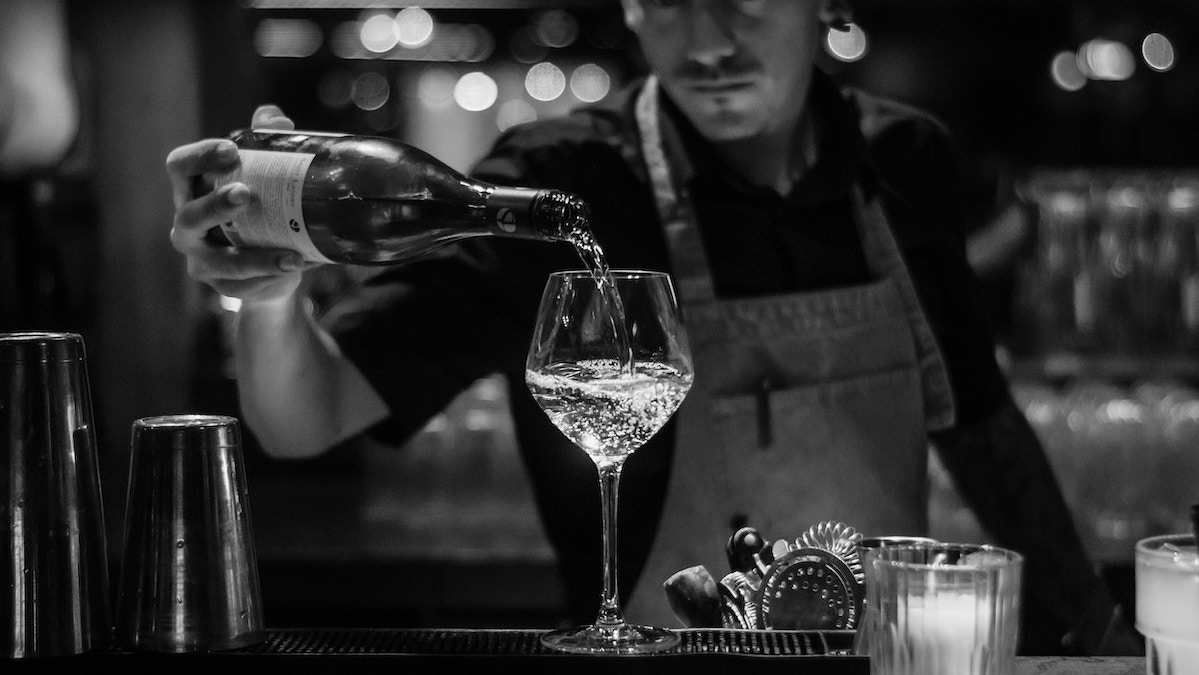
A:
{"x":668,"y":167}
{"x":884,"y":259}
{"x":675,"y":208}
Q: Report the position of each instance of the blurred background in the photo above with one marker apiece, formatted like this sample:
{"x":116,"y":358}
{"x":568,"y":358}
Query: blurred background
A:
{"x":1078,"y":121}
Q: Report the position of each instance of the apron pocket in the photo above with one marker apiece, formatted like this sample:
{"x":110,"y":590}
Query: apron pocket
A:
{"x":852,"y":449}
{"x":739,"y":417}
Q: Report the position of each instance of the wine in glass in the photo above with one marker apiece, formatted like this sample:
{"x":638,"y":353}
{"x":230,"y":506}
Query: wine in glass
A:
{"x":609,"y":363}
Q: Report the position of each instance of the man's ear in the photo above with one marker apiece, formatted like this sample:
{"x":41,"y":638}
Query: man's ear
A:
{"x":633,"y":14}
{"x":836,"y":14}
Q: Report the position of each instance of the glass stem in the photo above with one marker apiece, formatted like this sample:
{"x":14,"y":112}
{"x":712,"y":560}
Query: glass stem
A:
{"x":609,"y":483}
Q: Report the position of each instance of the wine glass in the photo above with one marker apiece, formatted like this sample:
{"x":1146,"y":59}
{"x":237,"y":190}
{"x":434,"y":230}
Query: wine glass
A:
{"x":609,"y":363}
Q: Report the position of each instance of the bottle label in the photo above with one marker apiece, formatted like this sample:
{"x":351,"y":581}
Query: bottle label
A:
{"x":274,"y":218}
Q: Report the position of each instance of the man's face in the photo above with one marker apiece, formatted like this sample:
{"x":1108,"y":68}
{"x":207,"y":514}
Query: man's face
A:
{"x":737,"y":68}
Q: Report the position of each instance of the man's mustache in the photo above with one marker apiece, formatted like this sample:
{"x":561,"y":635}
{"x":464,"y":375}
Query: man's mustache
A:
{"x":737,"y":65}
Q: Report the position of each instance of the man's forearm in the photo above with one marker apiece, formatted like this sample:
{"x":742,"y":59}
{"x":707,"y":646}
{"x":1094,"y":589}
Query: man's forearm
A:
{"x":299,"y":395}
{"x":1002,"y":472}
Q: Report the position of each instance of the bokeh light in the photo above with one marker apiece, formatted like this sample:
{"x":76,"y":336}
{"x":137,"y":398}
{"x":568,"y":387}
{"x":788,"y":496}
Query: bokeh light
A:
{"x":554,"y":28}
{"x":475,"y":92}
{"x":287,"y":38}
{"x":378,"y":33}
{"x":413,"y":27}
{"x":370,"y":91}
{"x":590,"y":83}
{"x":545,"y":81}
{"x":1158,"y":52}
{"x":1103,"y":59}
{"x":1065,"y":73}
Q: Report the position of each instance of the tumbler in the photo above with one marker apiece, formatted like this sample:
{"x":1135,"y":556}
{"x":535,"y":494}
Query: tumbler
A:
{"x":54,"y":597}
{"x":943,"y":609}
{"x":189,"y":573}
{"x":1167,"y":602}
{"x":867,"y":549}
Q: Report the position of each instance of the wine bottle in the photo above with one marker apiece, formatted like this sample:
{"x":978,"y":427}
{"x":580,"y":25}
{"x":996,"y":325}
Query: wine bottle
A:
{"x":365,"y":200}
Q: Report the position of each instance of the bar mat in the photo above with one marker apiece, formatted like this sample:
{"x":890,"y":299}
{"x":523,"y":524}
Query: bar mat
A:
{"x":384,"y":651}
{"x":338,"y":641}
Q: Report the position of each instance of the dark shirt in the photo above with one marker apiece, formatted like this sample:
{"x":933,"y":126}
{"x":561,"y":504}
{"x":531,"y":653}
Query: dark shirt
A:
{"x":423,"y":332}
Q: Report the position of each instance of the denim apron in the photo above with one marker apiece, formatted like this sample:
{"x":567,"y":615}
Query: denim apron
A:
{"x":806,"y":407}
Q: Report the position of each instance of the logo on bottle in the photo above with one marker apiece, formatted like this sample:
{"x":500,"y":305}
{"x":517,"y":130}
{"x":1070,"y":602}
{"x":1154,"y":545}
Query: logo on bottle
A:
{"x":506,"y":219}
{"x":294,"y":225}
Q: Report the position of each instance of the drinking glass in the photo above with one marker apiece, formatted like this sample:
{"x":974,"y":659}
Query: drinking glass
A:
{"x":54,"y":594}
{"x":609,"y":363}
{"x":189,"y":572}
{"x":867,"y":550}
{"x":1167,"y":596}
{"x":942,"y":609}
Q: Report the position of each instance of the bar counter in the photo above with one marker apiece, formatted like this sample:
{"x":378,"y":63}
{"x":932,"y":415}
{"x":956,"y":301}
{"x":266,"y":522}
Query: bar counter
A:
{"x":359,"y":562}
{"x":413,"y":651}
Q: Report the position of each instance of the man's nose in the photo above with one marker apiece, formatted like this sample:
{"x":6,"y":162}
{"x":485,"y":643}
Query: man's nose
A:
{"x":710,"y":31}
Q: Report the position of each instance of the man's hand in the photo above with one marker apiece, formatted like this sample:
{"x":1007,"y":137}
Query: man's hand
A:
{"x":252,"y":275}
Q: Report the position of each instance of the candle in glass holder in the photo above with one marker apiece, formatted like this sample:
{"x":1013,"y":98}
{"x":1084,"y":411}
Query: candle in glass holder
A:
{"x":942,"y":609}
{"x":946,"y":631}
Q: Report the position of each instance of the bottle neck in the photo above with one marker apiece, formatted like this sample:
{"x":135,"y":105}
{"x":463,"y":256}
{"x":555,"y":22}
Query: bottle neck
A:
{"x":536,"y":214}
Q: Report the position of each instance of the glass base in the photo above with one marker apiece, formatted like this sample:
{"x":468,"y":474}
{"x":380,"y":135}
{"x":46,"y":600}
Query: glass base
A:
{"x":621,"y":638}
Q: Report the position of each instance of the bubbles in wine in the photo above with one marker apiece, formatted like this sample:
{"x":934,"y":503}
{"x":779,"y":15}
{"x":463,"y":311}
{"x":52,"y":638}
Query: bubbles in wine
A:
{"x":607,"y":412}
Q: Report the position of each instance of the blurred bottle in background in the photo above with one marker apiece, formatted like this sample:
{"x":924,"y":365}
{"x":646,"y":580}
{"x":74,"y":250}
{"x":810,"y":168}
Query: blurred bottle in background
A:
{"x":1127,"y":308}
{"x":1114,"y":273}
{"x":1178,"y":266}
{"x":1061,"y":313}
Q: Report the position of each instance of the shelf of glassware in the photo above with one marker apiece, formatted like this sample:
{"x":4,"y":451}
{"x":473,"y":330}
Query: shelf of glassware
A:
{"x":1123,"y":438}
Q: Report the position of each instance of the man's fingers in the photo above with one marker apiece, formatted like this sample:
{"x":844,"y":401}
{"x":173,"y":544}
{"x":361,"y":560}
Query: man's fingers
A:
{"x":196,"y":216}
{"x":194,"y":159}
{"x":210,"y":154}
{"x":214,"y":155}
{"x":228,"y":264}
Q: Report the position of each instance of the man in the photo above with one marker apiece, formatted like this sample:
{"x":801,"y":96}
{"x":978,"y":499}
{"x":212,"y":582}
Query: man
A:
{"x":817,"y":250}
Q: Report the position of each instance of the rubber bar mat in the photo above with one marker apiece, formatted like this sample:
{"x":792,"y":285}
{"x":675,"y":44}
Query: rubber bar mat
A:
{"x":334,"y":641}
